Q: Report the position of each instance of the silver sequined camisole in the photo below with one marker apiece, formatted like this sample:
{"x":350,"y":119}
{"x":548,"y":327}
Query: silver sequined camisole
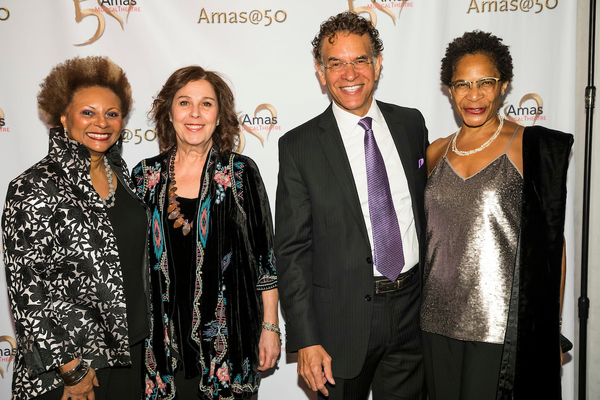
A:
{"x":471,"y":238}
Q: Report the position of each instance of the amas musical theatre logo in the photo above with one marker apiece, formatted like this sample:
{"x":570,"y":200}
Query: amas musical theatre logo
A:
{"x":111,"y":8}
{"x":7,"y":354}
{"x":3,"y":127}
{"x":387,"y":7}
{"x":257,"y":125}
{"x":527,"y":112}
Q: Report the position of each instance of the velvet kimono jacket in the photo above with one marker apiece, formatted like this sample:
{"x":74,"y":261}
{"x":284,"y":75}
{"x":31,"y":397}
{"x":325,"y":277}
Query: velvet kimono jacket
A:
{"x":530,"y":366}
{"x":234,"y":263}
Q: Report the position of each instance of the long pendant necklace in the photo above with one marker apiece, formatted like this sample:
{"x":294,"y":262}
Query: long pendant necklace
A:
{"x":109,"y":201}
{"x":483,"y":146}
{"x":174,"y":210}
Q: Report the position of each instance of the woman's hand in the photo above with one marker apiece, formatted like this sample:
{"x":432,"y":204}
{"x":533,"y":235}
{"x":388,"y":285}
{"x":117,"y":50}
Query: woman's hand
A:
{"x":269,"y":346}
{"x":84,"y":390}
{"x":269,"y":349}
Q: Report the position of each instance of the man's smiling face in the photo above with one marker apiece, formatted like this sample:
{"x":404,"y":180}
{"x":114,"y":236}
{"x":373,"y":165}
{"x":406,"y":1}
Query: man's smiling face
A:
{"x":350,"y":88}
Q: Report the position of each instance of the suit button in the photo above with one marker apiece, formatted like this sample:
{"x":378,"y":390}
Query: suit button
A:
{"x":368,"y":297}
{"x":369,"y":260}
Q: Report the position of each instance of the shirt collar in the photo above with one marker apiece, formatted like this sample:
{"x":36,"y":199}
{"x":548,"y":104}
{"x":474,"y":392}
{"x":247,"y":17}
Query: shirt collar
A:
{"x":347,"y":121}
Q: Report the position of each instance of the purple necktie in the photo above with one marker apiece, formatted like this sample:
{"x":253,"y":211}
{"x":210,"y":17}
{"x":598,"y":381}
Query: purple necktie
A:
{"x":389,"y":256}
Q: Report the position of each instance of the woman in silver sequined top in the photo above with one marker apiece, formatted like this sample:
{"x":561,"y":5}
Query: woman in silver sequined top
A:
{"x":477,"y":285}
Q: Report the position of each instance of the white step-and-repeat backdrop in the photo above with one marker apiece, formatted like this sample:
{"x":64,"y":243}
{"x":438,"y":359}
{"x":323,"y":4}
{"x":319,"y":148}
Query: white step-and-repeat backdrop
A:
{"x":263,"y":49}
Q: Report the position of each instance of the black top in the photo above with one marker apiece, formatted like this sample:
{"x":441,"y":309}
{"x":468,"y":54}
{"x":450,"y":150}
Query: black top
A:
{"x":129,"y":222}
{"x":182,"y":251}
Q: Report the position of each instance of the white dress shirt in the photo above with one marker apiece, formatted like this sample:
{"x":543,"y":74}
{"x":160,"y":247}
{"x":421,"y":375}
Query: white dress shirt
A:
{"x":353,"y":137}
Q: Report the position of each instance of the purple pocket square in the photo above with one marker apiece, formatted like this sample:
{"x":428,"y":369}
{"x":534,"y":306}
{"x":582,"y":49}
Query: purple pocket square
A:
{"x":421,"y":162}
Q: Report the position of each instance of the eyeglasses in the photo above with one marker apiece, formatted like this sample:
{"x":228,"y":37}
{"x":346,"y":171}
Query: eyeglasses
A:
{"x":486,"y":85}
{"x":338,"y":66}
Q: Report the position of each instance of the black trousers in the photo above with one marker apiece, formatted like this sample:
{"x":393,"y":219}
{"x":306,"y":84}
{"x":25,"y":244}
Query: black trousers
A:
{"x":116,"y":382}
{"x":393,"y":367}
{"x":460,"y":370}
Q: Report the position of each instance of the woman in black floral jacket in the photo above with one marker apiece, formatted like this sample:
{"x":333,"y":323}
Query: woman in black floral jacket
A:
{"x":214,"y":287}
{"x":74,"y":238}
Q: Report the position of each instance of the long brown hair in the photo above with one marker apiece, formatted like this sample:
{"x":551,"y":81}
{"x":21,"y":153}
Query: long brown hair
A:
{"x":226,"y":134}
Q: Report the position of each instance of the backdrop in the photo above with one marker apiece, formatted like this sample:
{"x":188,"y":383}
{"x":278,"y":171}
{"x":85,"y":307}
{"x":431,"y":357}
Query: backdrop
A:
{"x":263,"y":49}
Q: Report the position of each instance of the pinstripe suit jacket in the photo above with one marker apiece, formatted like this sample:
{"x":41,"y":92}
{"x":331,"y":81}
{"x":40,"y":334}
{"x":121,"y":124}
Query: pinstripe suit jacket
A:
{"x":321,"y":244}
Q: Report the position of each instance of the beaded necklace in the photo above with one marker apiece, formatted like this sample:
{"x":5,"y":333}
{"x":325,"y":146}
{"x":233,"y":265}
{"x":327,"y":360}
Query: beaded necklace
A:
{"x":109,"y":201}
{"x":483,"y":146}
{"x":173,"y":209}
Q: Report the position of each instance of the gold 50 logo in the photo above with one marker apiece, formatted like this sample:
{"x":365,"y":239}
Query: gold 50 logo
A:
{"x":4,"y":13}
{"x":537,"y":6}
{"x":255,"y":17}
{"x":256,"y":124}
{"x":373,"y":6}
{"x":526,"y":114}
{"x":108,"y":7}
{"x":7,"y":355}
{"x":137,"y":136}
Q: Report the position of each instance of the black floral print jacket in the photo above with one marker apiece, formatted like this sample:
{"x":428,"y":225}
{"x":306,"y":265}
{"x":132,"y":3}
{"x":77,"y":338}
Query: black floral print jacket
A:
{"x":62,"y":268}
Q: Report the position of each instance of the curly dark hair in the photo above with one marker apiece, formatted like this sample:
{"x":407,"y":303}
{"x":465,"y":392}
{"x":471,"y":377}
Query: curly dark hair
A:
{"x":57,"y":90}
{"x":226,"y":134}
{"x":348,"y":23}
{"x":477,"y":42}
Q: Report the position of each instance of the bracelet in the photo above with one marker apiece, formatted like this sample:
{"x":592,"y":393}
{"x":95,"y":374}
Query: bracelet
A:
{"x":69,"y":372}
{"x":271,"y":327}
{"x":78,"y":377}
{"x":76,"y":374}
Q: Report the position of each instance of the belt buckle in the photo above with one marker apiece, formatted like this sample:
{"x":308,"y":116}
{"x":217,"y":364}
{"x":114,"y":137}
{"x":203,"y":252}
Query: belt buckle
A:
{"x":391,"y":286}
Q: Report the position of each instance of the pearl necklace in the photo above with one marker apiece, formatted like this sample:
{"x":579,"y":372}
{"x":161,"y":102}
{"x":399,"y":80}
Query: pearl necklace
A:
{"x":174,"y":210}
{"x":483,"y":146}
{"x":109,"y":201}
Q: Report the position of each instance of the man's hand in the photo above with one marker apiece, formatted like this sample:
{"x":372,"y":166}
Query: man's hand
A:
{"x":314,"y":365}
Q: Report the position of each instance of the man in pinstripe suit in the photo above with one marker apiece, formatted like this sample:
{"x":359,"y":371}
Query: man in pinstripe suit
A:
{"x":353,"y":328}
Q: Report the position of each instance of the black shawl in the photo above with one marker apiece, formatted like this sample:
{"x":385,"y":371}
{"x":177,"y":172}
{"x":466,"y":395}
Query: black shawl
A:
{"x":531,"y":346}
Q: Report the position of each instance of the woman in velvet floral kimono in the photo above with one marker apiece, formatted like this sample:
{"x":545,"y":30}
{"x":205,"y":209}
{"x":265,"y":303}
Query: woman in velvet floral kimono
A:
{"x":213,"y":280}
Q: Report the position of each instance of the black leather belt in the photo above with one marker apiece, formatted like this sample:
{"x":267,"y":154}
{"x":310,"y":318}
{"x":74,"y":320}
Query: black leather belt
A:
{"x":384,"y":285}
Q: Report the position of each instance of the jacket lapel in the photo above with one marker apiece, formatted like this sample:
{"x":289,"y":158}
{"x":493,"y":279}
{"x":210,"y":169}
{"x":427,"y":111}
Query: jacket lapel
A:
{"x":405,"y":141}
{"x":331,"y":140}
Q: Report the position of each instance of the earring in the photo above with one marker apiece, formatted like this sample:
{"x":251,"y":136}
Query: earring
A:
{"x":65,"y":130}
